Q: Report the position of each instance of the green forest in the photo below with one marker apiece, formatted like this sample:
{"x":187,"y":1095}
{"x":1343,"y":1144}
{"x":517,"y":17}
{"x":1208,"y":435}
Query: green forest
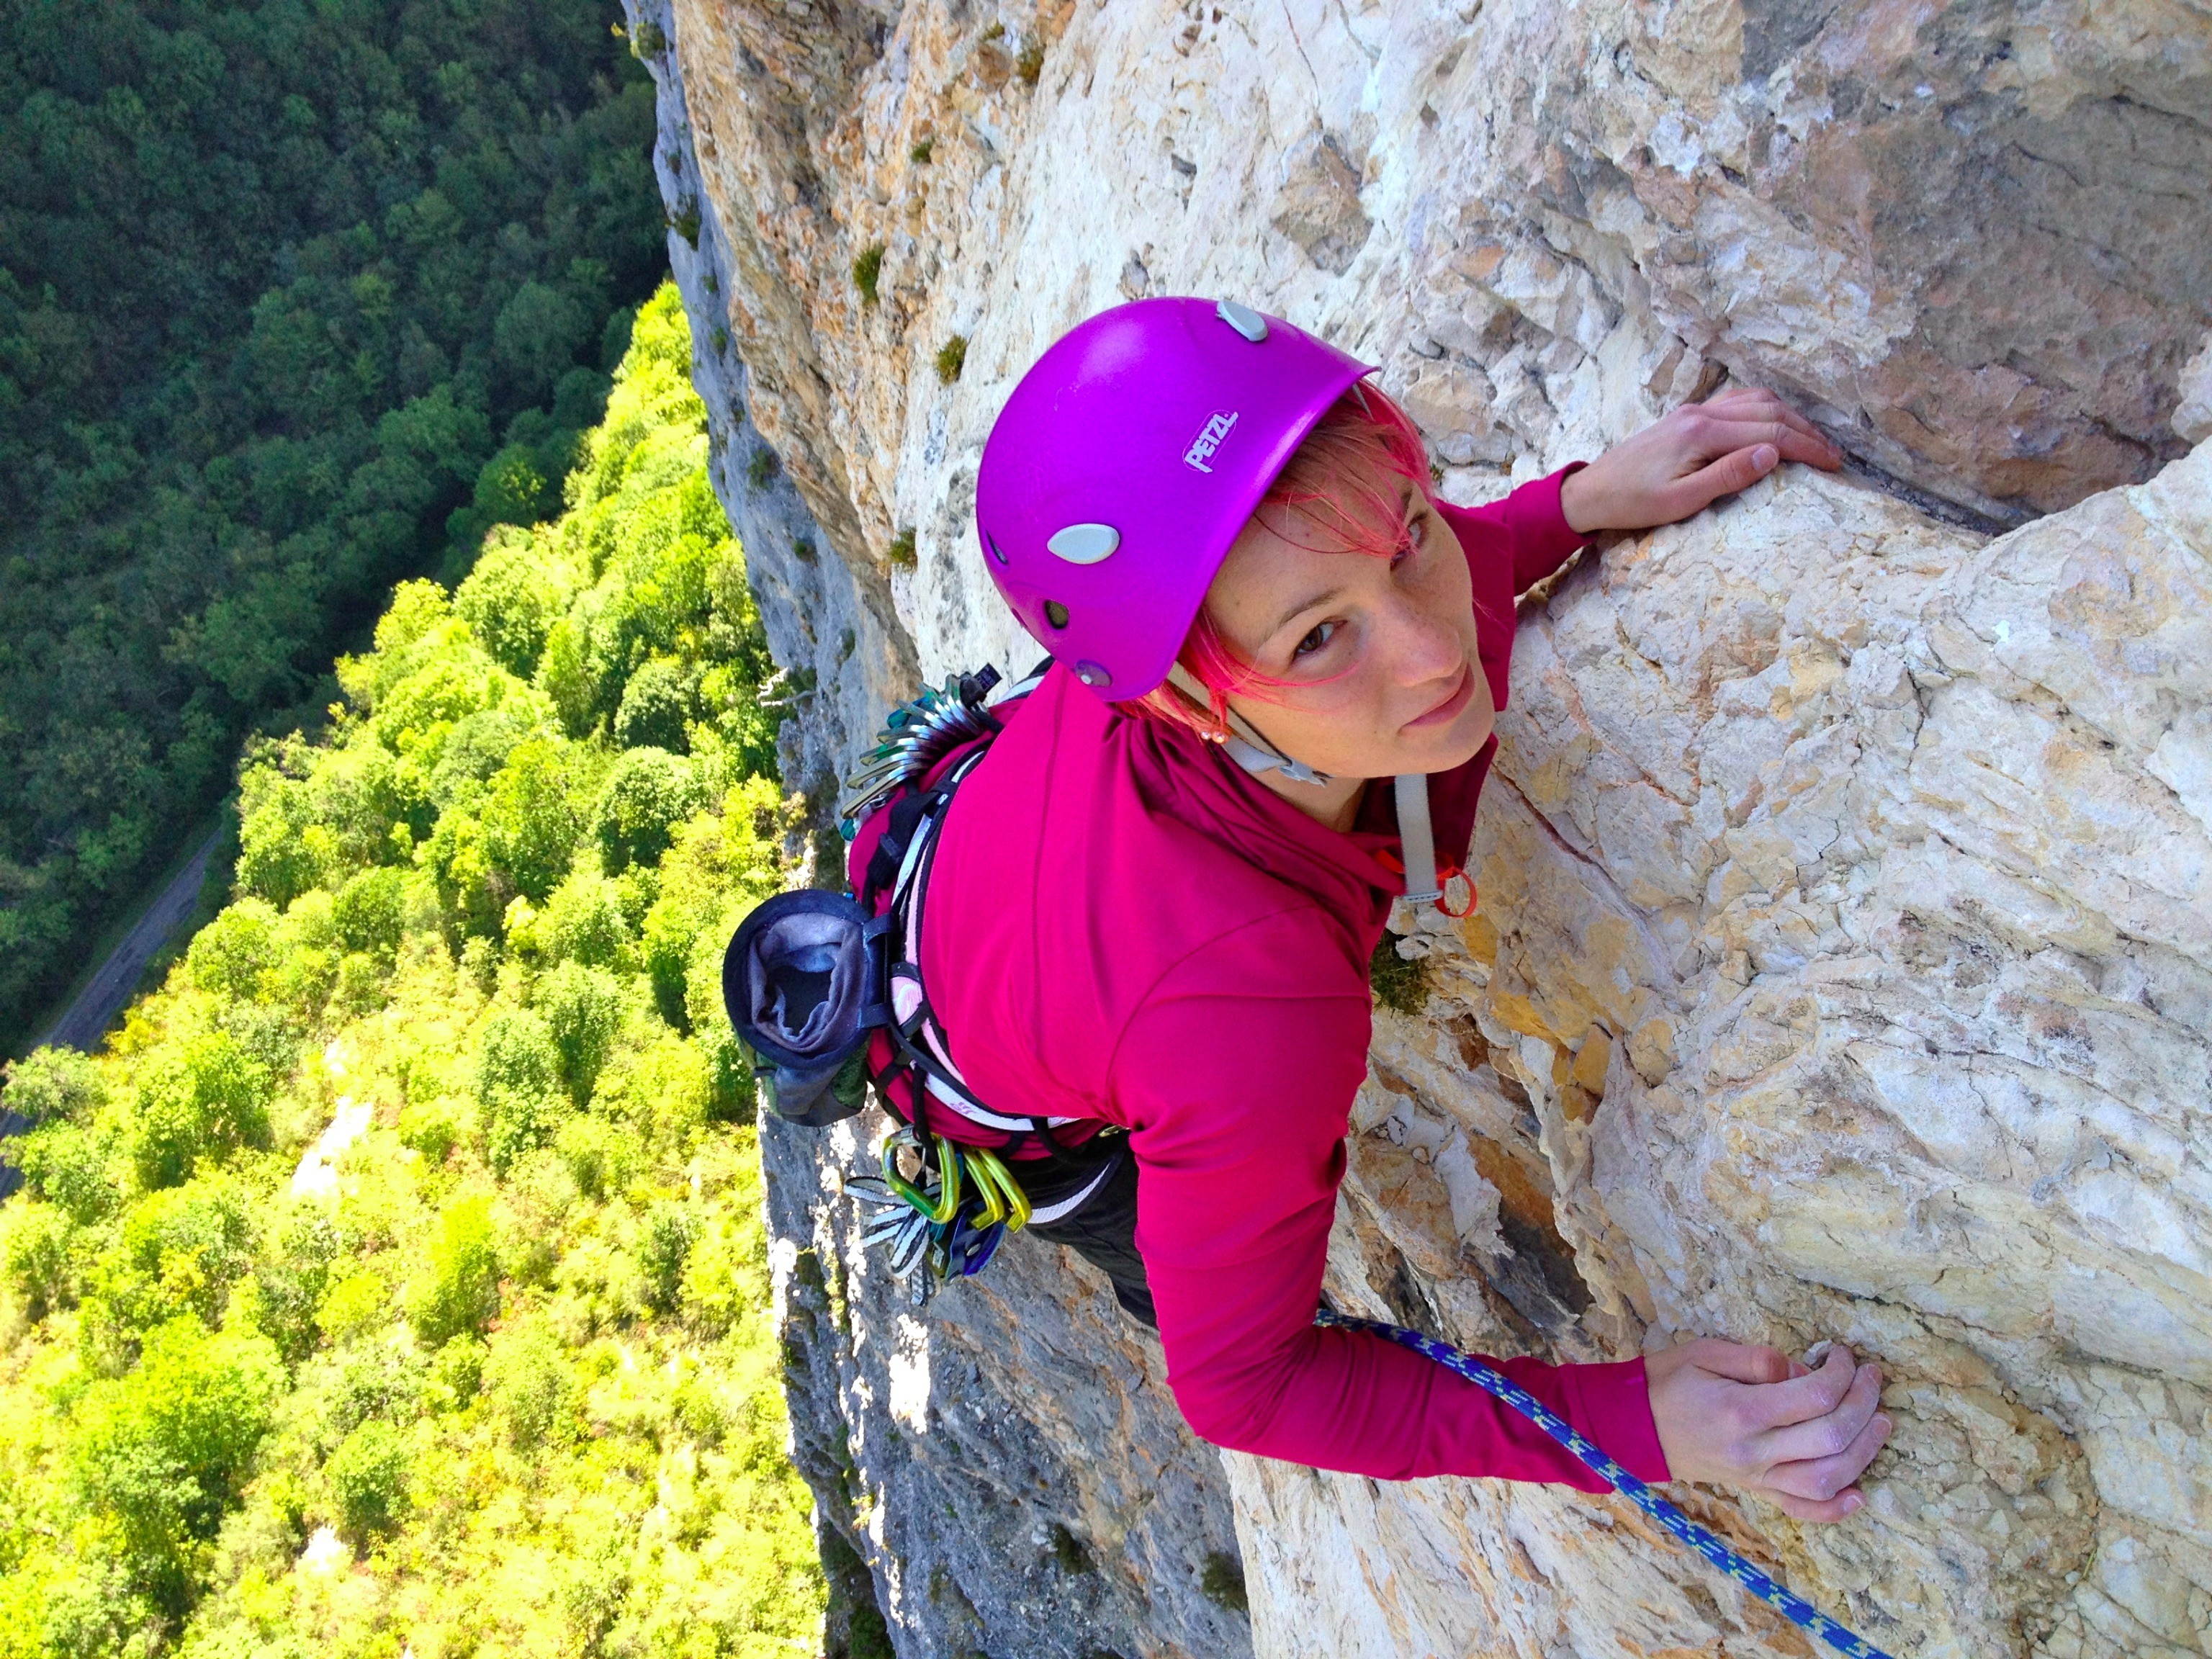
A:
{"x":395,"y":1283}
{"x":297,"y":298}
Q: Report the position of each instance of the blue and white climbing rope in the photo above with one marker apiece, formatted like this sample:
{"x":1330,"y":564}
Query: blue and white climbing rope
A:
{"x":1794,"y":1608}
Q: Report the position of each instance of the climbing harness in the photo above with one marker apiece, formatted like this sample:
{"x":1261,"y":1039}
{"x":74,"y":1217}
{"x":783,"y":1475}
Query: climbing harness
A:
{"x":826,"y":991}
{"x":912,"y":1064}
{"x":1798,"y":1611}
{"x":824,"y":988}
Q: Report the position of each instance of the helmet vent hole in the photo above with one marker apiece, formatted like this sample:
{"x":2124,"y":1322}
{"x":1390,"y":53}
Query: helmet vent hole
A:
{"x":1055,"y":613}
{"x":990,"y":542}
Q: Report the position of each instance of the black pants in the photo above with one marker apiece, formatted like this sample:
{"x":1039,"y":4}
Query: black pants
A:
{"x":1103,"y":1231}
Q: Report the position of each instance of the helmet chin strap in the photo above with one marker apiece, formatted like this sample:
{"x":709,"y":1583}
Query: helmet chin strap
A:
{"x":1249,"y":749}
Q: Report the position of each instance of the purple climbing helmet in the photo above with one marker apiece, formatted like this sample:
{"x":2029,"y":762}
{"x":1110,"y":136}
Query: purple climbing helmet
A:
{"x":1125,"y":463}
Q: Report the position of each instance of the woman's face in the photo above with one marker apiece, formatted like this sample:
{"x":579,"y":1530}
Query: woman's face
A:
{"x":1375,"y":656}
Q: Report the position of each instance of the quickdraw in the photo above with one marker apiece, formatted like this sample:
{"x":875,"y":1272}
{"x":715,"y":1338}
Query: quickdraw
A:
{"x":951,"y":1212}
{"x":1798,"y":1611}
{"x":916,"y":736}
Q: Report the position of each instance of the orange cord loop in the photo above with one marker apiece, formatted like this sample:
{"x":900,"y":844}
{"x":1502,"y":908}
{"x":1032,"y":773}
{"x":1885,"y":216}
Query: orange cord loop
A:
{"x":1446,"y":874}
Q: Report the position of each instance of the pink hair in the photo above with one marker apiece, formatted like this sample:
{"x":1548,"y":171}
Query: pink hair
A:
{"x":1339,"y":493}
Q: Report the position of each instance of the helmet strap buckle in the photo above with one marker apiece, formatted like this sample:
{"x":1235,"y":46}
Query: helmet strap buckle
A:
{"x":1244,"y":742}
{"x":1249,"y":749}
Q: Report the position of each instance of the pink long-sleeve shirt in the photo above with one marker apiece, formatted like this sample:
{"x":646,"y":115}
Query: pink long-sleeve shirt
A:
{"x":1122,"y":926}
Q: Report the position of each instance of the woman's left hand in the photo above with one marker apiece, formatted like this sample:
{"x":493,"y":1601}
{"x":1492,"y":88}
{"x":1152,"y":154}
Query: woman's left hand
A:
{"x":1758,"y":1420}
{"x":1690,"y":459}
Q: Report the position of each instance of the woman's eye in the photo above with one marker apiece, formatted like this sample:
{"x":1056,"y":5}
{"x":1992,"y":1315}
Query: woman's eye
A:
{"x":1316,"y":638}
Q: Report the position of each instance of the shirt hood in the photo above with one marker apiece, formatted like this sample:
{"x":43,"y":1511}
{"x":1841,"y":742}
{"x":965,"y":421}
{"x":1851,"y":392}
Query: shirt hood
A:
{"x":1179,"y":774}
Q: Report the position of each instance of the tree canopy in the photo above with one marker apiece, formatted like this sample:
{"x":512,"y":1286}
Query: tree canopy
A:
{"x":397,"y":1281}
{"x":297,"y":297}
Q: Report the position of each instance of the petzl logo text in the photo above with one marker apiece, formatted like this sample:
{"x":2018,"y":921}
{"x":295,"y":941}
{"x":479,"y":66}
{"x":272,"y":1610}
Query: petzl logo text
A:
{"x":1209,"y":440}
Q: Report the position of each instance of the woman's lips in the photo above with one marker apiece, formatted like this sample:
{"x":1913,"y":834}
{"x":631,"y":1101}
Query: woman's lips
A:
{"x":1448,"y":709}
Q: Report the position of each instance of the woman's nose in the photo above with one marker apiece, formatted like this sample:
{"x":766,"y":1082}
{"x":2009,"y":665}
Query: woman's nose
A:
{"x":1420,"y":646}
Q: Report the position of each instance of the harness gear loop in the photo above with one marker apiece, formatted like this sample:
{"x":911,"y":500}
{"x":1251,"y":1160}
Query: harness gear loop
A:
{"x":954,"y":1218}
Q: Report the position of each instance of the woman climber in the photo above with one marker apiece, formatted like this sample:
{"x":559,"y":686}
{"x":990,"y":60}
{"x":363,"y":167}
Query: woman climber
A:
{"x":1155,"y":878}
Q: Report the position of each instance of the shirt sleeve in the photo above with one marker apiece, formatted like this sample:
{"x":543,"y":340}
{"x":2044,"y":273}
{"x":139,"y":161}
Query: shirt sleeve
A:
{"x":1237,"y":1075}
{"x":1530,"y":522}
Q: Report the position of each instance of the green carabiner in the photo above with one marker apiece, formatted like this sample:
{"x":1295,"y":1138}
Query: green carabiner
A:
{"x":948,"y":1167}
{"x":946,"y":1205}
{"x":1003,"y":1197}
{"x":1007,"y":1190}
{"x":994,"y":1206}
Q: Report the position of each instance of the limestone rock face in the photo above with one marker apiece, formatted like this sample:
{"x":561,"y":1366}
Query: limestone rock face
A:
{"x":1873,"y":866}
{"x":1005,"y":1459}
{"x":1844,"y":967}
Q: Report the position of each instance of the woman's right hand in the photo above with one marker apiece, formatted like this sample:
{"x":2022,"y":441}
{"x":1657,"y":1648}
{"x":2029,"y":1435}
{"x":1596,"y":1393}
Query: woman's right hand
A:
{"x":1757,"y":1419}
{"x":1690,"y":459}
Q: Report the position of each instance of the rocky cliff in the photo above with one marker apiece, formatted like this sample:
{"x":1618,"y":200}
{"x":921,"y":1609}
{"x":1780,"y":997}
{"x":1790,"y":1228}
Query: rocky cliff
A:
{"x":1844,"y":961}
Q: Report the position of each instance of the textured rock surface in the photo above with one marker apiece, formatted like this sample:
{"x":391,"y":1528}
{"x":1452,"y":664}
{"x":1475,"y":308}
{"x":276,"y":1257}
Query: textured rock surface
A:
{"x":1005,"y":1459}
{"x":828,"y":618}
{"x":1844,"y":966}
{"x":1872,"y":864}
